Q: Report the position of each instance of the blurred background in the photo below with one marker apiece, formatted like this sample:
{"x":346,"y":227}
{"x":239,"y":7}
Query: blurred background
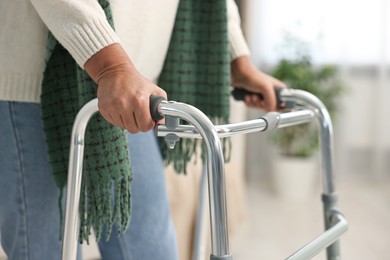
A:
{"x":353,"y":38}
{"x":342,"y":52}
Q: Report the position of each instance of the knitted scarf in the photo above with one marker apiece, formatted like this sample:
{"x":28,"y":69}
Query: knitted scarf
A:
{"x":196,"y":71}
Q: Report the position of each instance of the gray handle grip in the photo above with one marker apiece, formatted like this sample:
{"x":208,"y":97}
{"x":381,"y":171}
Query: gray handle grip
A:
{"x":154,"y":102}
{"x":239,"y":94}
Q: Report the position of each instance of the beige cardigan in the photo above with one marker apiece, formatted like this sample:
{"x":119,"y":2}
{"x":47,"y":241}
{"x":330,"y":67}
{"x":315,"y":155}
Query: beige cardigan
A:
{"x":142,"y":27}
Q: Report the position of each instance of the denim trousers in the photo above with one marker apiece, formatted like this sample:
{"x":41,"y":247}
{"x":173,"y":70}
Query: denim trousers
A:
{"x":29,"y":215}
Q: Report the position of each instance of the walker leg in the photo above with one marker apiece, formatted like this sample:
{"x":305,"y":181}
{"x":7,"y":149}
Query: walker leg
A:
{"x":73,"y":186}
{"x":331,"y":215}
{"x":201,"y":234}
{"x":329,"y":204}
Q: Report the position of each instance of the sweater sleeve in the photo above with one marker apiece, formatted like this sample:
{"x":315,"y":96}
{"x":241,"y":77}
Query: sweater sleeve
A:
{"x":237,"y":44}
{"x":80,"y":26}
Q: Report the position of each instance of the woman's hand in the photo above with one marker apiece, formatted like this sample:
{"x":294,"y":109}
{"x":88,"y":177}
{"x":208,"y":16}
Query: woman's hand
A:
{"x":123,"y":93}
{"x":246,"y":76}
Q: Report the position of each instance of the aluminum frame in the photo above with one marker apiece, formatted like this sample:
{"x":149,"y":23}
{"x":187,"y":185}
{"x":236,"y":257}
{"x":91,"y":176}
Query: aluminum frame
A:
{"x":201,"y":127}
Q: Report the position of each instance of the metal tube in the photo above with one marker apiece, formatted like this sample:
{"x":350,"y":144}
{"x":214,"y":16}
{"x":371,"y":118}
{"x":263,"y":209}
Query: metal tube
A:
{"x":296,"y":118}
{"x":189,"y":131}
{"x":200,"y":234}
{"x":326,"y":144}
{"x":216,"y":177}
{"x":251,"y":126}
{"x":325,"y":239}
{"x":330,"y":211}
{"x":215,"y":170}
{"x":203,"y":128}
{"x":326,"y":132}
{"x":76,"y":152}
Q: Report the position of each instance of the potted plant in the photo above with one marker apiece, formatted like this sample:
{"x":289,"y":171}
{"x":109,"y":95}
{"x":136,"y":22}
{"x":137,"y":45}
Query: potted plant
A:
{"x":294,"y":168}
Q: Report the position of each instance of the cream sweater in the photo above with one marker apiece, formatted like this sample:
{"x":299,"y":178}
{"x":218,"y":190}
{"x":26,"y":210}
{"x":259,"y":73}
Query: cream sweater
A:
{"x":142,"y":27}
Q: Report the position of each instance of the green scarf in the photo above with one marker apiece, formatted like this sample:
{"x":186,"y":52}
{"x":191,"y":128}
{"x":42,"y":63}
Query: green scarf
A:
{"x":196,"y":71}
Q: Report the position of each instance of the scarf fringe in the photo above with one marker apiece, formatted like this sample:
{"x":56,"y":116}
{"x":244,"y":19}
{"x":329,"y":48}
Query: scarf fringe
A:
{"x":109,"y":203}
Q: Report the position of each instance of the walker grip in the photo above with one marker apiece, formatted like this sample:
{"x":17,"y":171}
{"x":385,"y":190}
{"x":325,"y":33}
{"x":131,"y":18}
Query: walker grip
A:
{"x":154,"y":102}
{"x":239,"y":94}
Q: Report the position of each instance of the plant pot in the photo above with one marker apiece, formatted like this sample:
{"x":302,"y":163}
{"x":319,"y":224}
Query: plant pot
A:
{"x":295,"y":177}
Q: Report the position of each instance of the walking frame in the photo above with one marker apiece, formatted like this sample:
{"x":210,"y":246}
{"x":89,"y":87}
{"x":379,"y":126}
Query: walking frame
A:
{"x":201,"y":127}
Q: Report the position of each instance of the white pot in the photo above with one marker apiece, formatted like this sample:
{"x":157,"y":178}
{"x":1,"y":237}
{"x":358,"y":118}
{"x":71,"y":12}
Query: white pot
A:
{"x":295,"y":177}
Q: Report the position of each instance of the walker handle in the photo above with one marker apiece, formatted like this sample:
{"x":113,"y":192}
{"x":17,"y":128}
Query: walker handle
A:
{"x":154,"y":103}
{"x":239,"y":94}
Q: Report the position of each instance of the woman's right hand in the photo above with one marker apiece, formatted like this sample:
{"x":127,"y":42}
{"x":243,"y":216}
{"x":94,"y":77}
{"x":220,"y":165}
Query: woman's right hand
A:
{"x":123,"y":93}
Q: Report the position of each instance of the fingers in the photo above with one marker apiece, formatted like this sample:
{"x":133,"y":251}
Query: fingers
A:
{"x":132,"y":115}
{"x":267,"y":103}
{"x":106,"y":115}
{"x":270,"y":99}
{"x":112,"y":113}
{"x":264,"y":84}
{"x":253,"y":101}
{"x":128,"y":109}
{"x":142,"y":115}
{"x":162,"y":93}
{"x":130,"y":122}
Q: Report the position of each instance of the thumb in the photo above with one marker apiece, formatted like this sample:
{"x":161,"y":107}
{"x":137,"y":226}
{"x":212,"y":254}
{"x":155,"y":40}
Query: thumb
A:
{"x":270,"y":98}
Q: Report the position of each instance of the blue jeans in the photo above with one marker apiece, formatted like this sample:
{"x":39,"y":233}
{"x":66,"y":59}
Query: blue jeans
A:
{"x":29,"y":217}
